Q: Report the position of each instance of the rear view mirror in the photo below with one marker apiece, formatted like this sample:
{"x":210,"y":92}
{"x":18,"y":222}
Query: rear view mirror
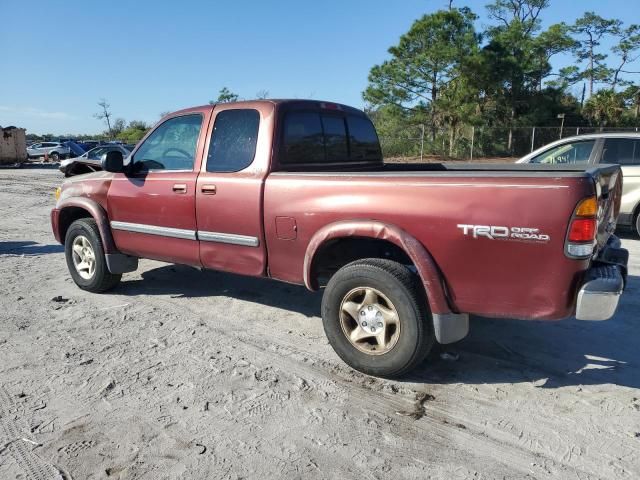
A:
{"x":112,"y":162}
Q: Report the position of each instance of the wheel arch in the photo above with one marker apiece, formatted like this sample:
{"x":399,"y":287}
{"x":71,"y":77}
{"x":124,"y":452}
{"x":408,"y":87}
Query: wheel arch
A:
{"x":72,"y":209}
{"x":380,"y":233}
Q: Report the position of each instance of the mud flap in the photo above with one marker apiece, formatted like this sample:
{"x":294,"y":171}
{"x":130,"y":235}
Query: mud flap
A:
{"x":450,"y":327}
{"x":120,"y":263}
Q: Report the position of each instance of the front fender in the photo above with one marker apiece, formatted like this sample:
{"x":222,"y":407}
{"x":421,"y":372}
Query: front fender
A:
{"x":421,"y":258}
{"x":65,"y":216}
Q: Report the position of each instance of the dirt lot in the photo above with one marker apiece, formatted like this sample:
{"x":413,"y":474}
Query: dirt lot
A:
{"x":186,"y":374}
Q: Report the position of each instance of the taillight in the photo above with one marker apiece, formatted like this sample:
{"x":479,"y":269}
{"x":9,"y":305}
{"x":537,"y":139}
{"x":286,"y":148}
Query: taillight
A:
{"x":583,"y":229}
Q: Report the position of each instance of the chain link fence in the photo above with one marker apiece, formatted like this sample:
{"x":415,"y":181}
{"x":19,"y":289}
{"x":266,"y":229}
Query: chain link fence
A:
{"x":422,"y":143}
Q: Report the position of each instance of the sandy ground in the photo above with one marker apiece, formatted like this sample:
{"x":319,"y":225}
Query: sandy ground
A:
{"x":186,"y":374}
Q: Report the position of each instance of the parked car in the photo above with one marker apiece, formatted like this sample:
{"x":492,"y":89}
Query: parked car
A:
{"x":298,"y":191}
{"x":90,"y":161}
{"x":54,"y":150}
{"x":617,"y":148}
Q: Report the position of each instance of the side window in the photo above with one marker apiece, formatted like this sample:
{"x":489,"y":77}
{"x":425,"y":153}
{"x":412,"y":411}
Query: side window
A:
{"x":303,"y":138}
{"x":233,"y":140}
{"x":171,"y":146}
{"x":573,"y":152}
{"x":363,"y":139}
{"x":96,"y":153}
{"x":335,"y":138}
{"x":624,"y":151}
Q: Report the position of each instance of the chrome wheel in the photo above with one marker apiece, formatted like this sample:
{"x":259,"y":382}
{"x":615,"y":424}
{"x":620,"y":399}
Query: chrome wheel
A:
{"x":369,"y":321}
{"x":84,"y":258}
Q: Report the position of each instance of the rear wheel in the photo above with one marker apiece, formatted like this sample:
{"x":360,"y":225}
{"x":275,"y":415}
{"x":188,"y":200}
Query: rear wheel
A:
{"x":376,"y":318}
{"x":638,"y":224}
{"x":54,"y":156}
{"x":85,"y":257}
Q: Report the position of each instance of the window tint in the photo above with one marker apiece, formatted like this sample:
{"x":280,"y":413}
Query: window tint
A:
{"x":171,"y":146}
{"x":363,"y":139}
{"x":335,"y":138}
{"x":625,"y":151}
{"x":303,"y":138}
{"x":233,"y":140}
{"x":573,"y":152}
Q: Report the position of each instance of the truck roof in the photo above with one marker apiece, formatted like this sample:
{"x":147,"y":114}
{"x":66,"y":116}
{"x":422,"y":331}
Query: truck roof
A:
{"x":292,"y":102}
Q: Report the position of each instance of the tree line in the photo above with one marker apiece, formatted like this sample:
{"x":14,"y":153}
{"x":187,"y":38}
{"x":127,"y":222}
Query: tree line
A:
{"x":446,"y":75}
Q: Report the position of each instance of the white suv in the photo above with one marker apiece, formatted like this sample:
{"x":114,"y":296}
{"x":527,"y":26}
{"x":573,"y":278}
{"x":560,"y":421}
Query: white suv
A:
{"x":620,"y":148}
{"x":54,"y":150}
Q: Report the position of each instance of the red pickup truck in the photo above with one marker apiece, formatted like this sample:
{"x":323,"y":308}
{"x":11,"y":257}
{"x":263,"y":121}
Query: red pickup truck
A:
{"x":297,"y":190}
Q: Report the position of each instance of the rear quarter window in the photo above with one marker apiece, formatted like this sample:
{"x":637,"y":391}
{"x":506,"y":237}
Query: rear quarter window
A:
{"x":233,"y":140}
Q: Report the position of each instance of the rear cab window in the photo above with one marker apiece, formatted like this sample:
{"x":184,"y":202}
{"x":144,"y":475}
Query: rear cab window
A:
{"x":317,"y":138}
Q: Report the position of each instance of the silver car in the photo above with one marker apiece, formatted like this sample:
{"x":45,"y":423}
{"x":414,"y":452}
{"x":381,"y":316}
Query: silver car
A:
{"x":90,"y":161}
{"x":54,"y":150}
{"x":620,"y":148}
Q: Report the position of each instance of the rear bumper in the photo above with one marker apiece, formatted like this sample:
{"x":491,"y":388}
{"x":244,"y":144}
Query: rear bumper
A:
{"x":604,"y":283}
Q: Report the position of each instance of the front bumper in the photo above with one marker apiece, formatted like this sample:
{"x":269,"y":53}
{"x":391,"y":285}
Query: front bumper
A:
{"x":604,"y":283}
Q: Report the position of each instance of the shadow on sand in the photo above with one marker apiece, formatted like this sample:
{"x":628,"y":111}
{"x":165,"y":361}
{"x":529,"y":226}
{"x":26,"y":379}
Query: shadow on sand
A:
{"x":28,"y":247}
{"x":551,"y":354}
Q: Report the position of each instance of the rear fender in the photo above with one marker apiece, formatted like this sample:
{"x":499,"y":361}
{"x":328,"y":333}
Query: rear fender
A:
{"x":423,"y":261}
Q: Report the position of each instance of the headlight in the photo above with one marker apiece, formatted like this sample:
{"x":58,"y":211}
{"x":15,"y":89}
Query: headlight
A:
{"x":58,"y":190}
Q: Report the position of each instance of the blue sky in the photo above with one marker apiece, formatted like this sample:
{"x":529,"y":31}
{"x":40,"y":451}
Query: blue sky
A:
{"x":145,"y":57}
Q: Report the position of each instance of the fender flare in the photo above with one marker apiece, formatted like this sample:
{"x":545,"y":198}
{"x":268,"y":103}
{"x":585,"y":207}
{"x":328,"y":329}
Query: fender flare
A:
{"x":99,"y":215}
{"x":427,"y":269}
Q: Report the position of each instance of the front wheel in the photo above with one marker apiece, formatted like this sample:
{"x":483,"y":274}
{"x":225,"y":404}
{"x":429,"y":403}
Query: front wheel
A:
{"x":85,"y":257}
{"x":638,"y":224}
{"x":376,"y":317}
{"x":54,"y":156}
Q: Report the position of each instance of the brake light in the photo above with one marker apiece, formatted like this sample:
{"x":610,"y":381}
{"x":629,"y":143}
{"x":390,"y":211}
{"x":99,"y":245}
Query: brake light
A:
{"x":330,"y":106}
{"x":582,"y":230}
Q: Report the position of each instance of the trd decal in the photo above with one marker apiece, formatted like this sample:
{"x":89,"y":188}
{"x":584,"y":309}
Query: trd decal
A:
{"x":493,"y":232}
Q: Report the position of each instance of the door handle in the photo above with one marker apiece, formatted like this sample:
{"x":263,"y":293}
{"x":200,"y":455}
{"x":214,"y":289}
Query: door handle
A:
{"x":208,"y":189}
{"x":180,"y":188}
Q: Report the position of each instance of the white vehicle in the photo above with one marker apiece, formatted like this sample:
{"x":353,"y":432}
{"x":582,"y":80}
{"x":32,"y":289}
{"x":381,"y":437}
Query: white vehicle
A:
{"x":54,"y":150}
{"x":619,"y":148}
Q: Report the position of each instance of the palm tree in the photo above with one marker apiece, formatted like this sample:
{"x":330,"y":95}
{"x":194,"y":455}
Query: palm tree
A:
{"x":605,"y":107}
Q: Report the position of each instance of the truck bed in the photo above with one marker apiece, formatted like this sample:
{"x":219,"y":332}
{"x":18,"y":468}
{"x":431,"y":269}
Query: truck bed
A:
{"x":432,"y":203}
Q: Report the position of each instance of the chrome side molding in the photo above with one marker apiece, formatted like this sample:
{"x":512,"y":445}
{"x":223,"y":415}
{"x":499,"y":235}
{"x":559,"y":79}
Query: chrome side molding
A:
{"x":230,"y":238}
{"x":244,"y":240}
{"x":154,"y":230}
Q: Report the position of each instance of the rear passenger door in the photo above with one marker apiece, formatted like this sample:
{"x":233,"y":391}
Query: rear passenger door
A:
{"x":229,"y":189}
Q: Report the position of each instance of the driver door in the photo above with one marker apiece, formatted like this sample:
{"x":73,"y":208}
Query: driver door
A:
{"x":152,"y":206}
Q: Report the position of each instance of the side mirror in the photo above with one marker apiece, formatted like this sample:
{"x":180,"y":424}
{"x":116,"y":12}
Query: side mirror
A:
{"x":112,"y":162}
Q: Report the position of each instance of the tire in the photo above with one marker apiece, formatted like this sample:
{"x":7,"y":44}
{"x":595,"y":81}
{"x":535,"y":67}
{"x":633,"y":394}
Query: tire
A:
{"x":84,"y":233}
{"x":54,"y":156}
{"x":637,"y":224}
{"x":397,"y":290}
